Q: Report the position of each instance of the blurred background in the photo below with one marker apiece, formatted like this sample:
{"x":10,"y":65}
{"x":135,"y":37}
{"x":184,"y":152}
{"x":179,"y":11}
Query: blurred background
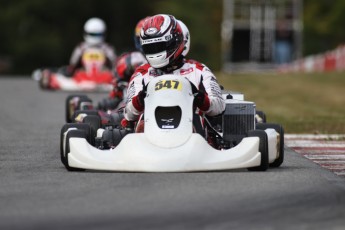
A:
{"x":227,"y":35}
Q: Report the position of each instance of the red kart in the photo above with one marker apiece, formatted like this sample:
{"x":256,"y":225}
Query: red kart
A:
{"x":93,"y":76}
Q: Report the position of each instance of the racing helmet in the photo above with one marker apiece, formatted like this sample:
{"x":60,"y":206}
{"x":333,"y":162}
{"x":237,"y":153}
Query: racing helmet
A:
{"x":162,"y":40}
{"x":94,"y":30}
{"x":186,"y":38}
{"x":137,"y":34}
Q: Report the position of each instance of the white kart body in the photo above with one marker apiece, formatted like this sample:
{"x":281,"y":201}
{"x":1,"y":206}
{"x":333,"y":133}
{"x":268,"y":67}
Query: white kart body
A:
{"x":171,"y":148}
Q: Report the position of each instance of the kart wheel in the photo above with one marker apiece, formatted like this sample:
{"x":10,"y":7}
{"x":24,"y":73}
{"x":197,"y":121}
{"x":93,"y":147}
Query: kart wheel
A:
{"x":69,"y":108}
{"x":85,"y":127}
{"x":85,"y":104}
{"x":279,"y":129}
{"x":260,"y":117}
{"x":87,"y":112}
{"x":263,"y":149}
{"x":73,"y":133}
{"x":94,"y":121}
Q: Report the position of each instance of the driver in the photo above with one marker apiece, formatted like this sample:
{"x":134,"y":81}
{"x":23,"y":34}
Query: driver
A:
{"x":94,"y":35}
{"x":165,"y":46}
{"x":124,"y":68}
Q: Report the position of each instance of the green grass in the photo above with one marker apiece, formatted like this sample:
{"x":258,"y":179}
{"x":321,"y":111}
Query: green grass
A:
{"x":302,"y":103}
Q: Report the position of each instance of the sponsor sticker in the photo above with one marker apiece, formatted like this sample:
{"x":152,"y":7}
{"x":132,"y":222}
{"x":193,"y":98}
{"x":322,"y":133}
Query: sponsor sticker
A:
{"x":168,"y":84}
{"x":151,"y":30}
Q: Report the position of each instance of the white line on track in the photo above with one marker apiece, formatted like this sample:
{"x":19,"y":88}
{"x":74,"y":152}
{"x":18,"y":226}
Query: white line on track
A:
{"x":325,"y":157}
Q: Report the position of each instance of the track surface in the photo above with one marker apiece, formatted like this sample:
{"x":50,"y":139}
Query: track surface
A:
{"x":36,"y":192}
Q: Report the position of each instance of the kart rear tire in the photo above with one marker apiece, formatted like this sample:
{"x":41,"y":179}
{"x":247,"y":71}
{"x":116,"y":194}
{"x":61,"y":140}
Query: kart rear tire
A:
{"x":263,"y":149}
{"x":73,"y":133}
{"x":94,"y":121}
{"x":85,"y":127}
{"x":69,"y":113}
{"x":279,"y":129}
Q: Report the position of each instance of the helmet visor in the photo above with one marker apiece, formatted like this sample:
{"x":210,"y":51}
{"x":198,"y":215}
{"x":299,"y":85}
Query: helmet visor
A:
{"x":154,"y":48}
{"x":95,"y":34}
{"x":158,"y":47}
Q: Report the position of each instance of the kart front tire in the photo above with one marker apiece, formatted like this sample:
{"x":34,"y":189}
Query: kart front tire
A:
{"x":263,"y":149}
{"x":85,"y":127}
{"x":73,"y":133}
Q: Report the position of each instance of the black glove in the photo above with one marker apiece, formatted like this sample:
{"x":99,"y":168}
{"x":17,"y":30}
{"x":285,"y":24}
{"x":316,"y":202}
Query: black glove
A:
{"x":138,"y":101}
{"x":201,"y":99}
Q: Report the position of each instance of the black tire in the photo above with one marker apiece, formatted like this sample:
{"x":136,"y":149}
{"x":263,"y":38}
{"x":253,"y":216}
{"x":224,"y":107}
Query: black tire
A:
{"x":279,"y":129}
{"x":263,"y":149}
{"x":73,"y":133}
{"x":94,"y":121}
{"x":262,"y":117}
{"x":83,"y":100}
{"x":85,"y":127}
{"x":69,"y":113}
{"x":87,"y":112}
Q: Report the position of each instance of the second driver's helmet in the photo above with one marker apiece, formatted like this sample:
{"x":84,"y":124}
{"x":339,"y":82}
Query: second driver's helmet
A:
{"x":137,"y":34}
{"x":94,"y":30}
{"x":186,"y":37}
{"x":162,"y":40}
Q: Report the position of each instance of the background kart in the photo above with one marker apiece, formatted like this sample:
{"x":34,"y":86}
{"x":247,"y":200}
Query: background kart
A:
{"x":168,"y":143}
{"x":92,"y":76}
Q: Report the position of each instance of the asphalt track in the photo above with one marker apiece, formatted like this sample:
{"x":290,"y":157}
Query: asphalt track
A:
{"x":36,"y":192}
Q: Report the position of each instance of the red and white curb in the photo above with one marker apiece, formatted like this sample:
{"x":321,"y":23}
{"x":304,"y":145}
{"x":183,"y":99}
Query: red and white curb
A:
{"x":328,"y":151}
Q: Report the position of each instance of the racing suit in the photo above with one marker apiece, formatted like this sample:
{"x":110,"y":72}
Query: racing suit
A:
{"x":127,"y":63}
{"x":75,"y":60}
{"x":125,"y":67}
{"x":195,"y":72}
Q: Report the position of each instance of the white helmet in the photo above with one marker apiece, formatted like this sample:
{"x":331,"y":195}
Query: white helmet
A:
{"x":94,"y":29}
{"x":186,"y":38}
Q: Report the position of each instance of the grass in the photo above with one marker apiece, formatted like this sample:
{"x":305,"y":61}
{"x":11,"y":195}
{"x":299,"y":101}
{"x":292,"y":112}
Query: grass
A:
{"x":302,"y":103}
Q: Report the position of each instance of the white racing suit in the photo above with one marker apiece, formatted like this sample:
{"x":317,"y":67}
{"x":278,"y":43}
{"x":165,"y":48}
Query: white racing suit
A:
{"x":195,"y":72}
{"x":109,"y":52}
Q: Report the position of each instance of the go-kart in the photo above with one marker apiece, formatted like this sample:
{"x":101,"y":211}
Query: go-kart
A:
{"x":92,"y":76}
{"x":168,"y":144}
{"x":107,"y":108}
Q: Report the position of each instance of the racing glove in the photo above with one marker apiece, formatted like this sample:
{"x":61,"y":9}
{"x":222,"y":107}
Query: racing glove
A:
{"x":138,"y":100}
{"x":201,"y":99}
